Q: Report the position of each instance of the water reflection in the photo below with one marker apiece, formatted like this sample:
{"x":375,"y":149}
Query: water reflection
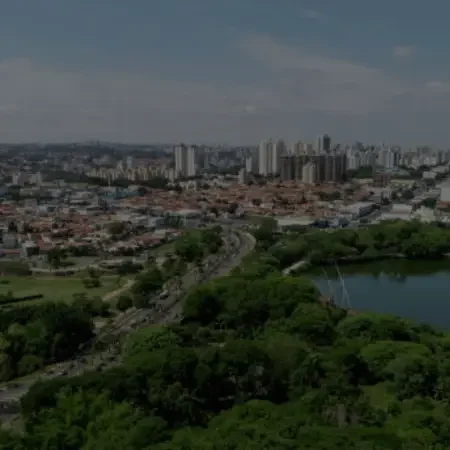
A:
{"x":413,"y":289}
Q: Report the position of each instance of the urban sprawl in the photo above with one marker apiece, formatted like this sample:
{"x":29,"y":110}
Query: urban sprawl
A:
{"x":68,"y":195}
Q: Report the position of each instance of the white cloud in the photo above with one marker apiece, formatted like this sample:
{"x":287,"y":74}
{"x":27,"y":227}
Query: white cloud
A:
{"x":323,"y":83}
{"x":38,"y":102}
{"x":403,"y":51}
{"x":437,"y":85}
{"x":295,"y":93}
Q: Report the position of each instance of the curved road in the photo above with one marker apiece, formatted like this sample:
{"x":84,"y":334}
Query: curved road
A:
{"x":169,"y":311}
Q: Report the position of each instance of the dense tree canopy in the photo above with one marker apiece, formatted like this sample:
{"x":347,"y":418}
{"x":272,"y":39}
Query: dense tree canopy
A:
{"x":195,"y":245}
{"x":256,"y":363}
{"x":392,"y":238}
{"x":40,"y":334}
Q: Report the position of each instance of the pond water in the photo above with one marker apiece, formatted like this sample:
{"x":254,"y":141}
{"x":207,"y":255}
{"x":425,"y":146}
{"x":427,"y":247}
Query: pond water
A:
{"x":418,"y":290}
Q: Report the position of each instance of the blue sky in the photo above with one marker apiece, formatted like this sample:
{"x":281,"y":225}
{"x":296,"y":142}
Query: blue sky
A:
{"x":234,"y":71}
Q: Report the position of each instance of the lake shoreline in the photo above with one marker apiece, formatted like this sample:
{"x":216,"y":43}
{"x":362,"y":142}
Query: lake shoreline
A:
{"x":306,"y":267}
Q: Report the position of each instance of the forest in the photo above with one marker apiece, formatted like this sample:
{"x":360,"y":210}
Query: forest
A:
{"x":256,"y":363}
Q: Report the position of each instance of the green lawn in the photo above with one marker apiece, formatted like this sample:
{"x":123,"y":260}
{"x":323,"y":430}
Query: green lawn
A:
{"x":162,"y":249}
{"x":55,"y":288}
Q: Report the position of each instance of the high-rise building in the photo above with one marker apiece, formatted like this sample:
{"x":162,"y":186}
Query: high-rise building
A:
{"x":323,"y":144}
{"x":287,"y":167}
{"x":242,"y":176}
{"x":185,"y":161}
{"x":326,"y":143}
{"x":309,"y":173}
{"x":249,"y":164}
{"x":328,"y":168}
{"x":130,"y":162}
{"x":388,"y":158}
{"x":264,"y":156}
{"x":298,"y":148}
{"x":319,"y":146}
{"x":278,"y":150}
{"x":269,"y":156}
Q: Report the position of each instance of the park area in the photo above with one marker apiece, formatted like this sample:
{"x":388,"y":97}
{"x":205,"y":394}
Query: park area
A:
{"x":56,"y":288}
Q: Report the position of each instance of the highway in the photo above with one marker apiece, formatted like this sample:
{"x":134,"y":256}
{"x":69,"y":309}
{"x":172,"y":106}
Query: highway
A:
{"x":166,"y":311}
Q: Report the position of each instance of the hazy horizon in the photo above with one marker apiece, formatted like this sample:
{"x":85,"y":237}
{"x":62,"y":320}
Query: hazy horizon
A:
{"x":234,"y":72}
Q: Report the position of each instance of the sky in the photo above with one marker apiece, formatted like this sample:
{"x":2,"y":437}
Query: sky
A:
{"x":231,"y":72}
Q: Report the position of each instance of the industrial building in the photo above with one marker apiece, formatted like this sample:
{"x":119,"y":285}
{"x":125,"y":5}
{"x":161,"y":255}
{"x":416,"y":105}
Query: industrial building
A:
{"x":360,"y":209}
{"x":286,"y":222}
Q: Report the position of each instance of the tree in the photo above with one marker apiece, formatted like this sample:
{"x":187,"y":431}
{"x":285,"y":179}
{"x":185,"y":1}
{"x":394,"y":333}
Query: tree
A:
{"x":12,"y":227}
{"x":83,"y":420}
{"x":188,"y":248}
{"x":147,"y":340}
{"x":54,"y":257}
{"x":430,"y":203}
{"x":147,"y":284}
{"x":142,"y":190}
{"x":124,"y":302}
{"x":266,"y":232}
{"x":233,"y":208}
{"x":128,"y":267}
{"x":256,"y":362}
{"x":149,"y":281}
{"x":92,"y":280}
{"x":29,"y":364}
{"x":116,"y":228}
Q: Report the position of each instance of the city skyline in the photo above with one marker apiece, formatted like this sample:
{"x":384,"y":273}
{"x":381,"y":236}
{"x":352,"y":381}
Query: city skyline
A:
{"x":238,"y":72}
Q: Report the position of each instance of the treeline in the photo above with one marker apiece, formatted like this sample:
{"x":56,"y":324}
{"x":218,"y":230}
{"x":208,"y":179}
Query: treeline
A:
{"x":257,"y":363}
{"x":409,"y":239}
{"x":157,"y":182}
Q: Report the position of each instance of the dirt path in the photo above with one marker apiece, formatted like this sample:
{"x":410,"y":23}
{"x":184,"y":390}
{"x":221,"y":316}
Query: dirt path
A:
{"x":110,"y":295}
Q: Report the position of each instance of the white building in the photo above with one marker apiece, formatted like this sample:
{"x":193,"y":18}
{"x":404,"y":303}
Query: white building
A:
{"x":20,"y":178}
{"x":130,"y":162}
{"x":242,"y":177}
{"x":265,"y":157}
{"x":388,"y":158}
{"x":401,"y":208}
{"x":185,"y":161}
{"x":309,"y":173}
{"x":360,"y":209}
{"x":249,"y":164}
{"x":353,"y":159}
{"x":269,"y":156}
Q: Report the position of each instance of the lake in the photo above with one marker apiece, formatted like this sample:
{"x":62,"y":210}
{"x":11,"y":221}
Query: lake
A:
{"x":418,"y":290}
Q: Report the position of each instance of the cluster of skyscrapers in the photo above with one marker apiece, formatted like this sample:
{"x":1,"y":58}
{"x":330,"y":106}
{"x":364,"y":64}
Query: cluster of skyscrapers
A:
{"x":310,"y":163}
{"x":302,"y":162}
{"x":390,"y":158}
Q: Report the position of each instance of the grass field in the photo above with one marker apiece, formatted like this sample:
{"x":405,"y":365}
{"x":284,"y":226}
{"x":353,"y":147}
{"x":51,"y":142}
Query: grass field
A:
{"x":163,"y":249}
{"x":55,"y":288}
